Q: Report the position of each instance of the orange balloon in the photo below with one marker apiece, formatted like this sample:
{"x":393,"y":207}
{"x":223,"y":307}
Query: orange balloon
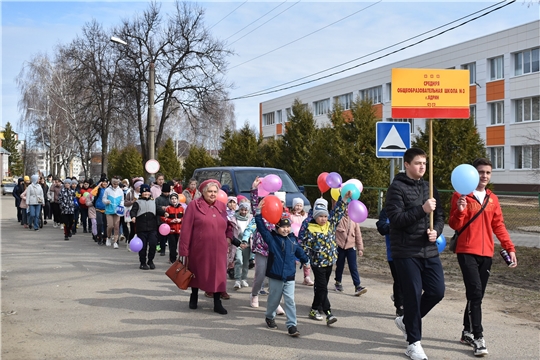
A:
{"x":272,"y":209}
{"x":181,"y":198}
{"x":222,"y":196}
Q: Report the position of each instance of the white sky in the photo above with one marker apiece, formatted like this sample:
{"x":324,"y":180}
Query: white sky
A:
{"x":29,"y":28}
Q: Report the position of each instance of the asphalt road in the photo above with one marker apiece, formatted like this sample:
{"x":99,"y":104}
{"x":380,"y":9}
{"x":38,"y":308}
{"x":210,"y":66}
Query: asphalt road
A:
{"x":75,"y":300}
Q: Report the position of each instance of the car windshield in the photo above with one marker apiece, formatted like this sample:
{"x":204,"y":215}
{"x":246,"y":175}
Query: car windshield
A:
{"x":9,"y":185}
{"x":245,"y":179}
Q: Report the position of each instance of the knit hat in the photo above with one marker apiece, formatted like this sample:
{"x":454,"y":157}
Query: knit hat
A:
{"x":206,"y":182}
{"x":103,"y":179}
{"x":166,"y":188}
{"x":244,"y":205}
{"x":74,"y":182}
{"x":297,"y":201}
{"x":232,"y":198}
{"x":67,"y":181}
{"x":137,"y":184}
{"x":135,"y":179}
{"x":284,"y":221}
{"x":173,"y":194}
{"x":281,"y":195}
{"x":144,"y":188}
{"x":26,"y":178}
{"x":320,"y":208}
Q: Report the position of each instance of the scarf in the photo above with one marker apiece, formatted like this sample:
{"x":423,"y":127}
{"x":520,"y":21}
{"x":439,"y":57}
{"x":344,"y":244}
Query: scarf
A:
{"x":241,"y":218}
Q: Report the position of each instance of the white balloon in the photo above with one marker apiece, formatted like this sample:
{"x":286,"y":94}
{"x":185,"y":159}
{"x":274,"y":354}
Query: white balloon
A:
{"x":356,"y":183}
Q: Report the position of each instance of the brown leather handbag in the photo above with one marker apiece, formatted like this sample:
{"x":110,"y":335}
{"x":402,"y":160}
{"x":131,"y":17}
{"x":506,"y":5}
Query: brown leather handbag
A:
{"x":180,"y":274}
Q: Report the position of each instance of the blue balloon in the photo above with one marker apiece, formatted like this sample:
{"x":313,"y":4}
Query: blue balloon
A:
{"x":441,"y":243}
{"x":355,"y":193}
{"x":465,"y":179}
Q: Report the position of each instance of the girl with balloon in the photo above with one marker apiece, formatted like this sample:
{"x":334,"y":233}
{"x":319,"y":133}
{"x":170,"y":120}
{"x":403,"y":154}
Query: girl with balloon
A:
{"x":173,"y":217}
{"x":298,"y":215}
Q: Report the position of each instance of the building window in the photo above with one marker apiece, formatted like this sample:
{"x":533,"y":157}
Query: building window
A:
{"x":496,"y":110}
{"x":321,"y":107}
{"x":527,"y":61}
{"x":345,"y":101}
{"x":279,"y":116}
{"x":527,"y":109}
{"x":527,"y":157}
{"x":472,"y":113}
{"x":496,"y":155}
{"x":472,"y":72}
{"x":374,"y":94}
{"x":389,"y":91}
{"x":288,"y":113}
{"x":496,"y":66}
{"x":268,"y":119}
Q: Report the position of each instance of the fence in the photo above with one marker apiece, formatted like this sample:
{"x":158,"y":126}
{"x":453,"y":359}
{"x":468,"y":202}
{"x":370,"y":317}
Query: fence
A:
{"x":521,"y":210}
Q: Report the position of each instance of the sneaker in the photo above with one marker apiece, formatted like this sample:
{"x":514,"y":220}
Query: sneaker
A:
{"x":158,"y":248}
{"x":467,"y":338}
{"x":330,"y":319}
{"x":66,"y":238}
{"x":253,"y":301}
{"x":108,"y":242}
{"x":237,"y":285}
{"x":55,"y":225}
{"x":225,"y":296}
{"x":415,"y":351}
{"x":151,"y":265}
{"x":245,"y":283}
{"x":480,"y":347}
{"x":262,"y":292}
{"x":338,"y":286}
{"x":115,"y":245}
{"x":307,"y":281}
{"x":127,"y":247}
{"x":144,"y":267}
{"x":122,"y":237}
{"x":315,"y":315}
{"x":401,"y":326}
{"x":45,"y":222}
{"x":293,"y":331}
{"x":360,"y":290}
{"x":280,"y":311}
{"x":271,"y":323}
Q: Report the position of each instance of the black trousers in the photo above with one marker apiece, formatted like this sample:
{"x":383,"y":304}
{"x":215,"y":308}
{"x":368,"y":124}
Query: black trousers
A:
{"x":173,"y":245}
{"x":57,"y":213}
{"x":68,"y":223}
{"x":84,"y":219}
{"x":475,"y":270}
{"x":149,"y":239}
{"x":422,"y":281}
{"x":320,"y":288}
{"x":398,"y":293}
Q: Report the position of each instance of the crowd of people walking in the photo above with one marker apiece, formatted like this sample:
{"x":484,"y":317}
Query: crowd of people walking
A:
{"x":217,"y":239}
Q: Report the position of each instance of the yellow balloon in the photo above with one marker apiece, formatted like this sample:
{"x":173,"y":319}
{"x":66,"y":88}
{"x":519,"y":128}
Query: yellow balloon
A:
{"x":335,"y":193}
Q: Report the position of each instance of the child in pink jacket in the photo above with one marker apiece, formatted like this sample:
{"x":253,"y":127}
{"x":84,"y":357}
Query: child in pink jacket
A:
{"x":298,"y":215}
{"x":349,"y":241}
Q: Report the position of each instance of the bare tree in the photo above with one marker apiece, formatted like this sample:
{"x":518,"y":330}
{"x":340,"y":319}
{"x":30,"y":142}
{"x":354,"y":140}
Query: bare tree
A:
{"x":189,"y":65}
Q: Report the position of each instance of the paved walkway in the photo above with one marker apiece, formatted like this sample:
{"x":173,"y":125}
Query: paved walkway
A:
{"x":519,"y":238}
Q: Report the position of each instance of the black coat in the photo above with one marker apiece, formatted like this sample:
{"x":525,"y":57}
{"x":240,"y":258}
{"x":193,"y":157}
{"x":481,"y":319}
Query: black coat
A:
{"x":408,"y":221}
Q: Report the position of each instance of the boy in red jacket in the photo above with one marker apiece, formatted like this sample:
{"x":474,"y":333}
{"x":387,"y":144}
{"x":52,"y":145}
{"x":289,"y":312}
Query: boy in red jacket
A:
{"x":173,"y":217}
{"x":475,"y":249}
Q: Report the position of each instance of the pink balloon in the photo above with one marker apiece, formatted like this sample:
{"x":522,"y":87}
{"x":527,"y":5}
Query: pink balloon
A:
{"x":261,"y":191}
{"x":358,"y":212}
{"x":222,"y":196}
{"x":295,"y":228}
{"x":164,"y":229}
{"x":272,"y":183}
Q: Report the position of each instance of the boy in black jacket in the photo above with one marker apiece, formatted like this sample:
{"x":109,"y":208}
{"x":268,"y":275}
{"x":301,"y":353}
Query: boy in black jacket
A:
{"x":143,"y":216}
{"x":413,"y":247}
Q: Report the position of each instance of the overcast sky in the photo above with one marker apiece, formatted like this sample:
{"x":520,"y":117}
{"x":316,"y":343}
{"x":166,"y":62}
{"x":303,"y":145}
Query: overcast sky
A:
{"x":343,"y":31}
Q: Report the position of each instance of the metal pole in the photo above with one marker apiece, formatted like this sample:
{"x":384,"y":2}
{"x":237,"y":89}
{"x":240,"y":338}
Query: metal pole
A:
{"x":431,"y":169}
{"x":392,"y":167}
{"x":151,"y":131}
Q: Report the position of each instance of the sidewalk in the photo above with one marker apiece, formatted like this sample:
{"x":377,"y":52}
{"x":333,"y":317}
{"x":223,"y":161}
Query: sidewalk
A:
{"x":518,"y":238}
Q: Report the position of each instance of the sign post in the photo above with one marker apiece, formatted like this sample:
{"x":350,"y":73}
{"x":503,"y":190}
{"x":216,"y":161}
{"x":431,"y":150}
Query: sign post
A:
{"x":430,"y":94}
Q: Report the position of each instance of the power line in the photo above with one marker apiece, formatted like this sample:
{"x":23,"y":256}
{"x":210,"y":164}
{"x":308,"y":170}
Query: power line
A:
{"x":272,"y":18}
{"x":303,"y":37}
{"x":254,"y":21}
{"x":228,"y":15}
{"x":372,"y":60}
{"x":378,"y":51}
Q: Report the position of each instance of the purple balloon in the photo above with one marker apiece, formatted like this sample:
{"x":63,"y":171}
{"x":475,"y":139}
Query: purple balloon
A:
{"x":136,"y":244}
{"x":272,"y":183}
{"x":334,"y":180}
{"x":358,"y":212}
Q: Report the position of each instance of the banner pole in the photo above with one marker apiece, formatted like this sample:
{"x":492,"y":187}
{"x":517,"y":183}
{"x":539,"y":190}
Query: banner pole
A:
{"x":431,"y":170}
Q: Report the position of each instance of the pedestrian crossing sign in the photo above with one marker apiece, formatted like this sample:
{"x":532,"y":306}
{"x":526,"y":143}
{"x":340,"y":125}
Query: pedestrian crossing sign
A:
{"x":392,"y":139}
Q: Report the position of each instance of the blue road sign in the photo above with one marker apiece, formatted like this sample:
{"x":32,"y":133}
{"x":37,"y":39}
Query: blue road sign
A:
{"x":392,"y":139}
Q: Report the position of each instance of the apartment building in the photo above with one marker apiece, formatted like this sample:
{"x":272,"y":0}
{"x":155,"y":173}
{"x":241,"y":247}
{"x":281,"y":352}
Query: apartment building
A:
{"x":504,"y":99}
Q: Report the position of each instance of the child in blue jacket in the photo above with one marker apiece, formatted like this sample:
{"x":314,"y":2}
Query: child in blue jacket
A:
{"x":283,"y":249}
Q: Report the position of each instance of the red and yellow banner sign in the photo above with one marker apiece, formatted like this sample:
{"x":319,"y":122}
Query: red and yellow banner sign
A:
{"x":430,"y":93}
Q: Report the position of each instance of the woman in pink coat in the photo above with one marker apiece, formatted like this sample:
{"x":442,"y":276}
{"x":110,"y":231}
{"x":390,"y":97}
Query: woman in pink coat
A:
{"x":206,"y":235}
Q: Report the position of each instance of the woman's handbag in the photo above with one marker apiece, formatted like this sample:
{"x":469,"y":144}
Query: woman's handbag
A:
{"x":179,"y":274}
{"x":453,"y":241}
